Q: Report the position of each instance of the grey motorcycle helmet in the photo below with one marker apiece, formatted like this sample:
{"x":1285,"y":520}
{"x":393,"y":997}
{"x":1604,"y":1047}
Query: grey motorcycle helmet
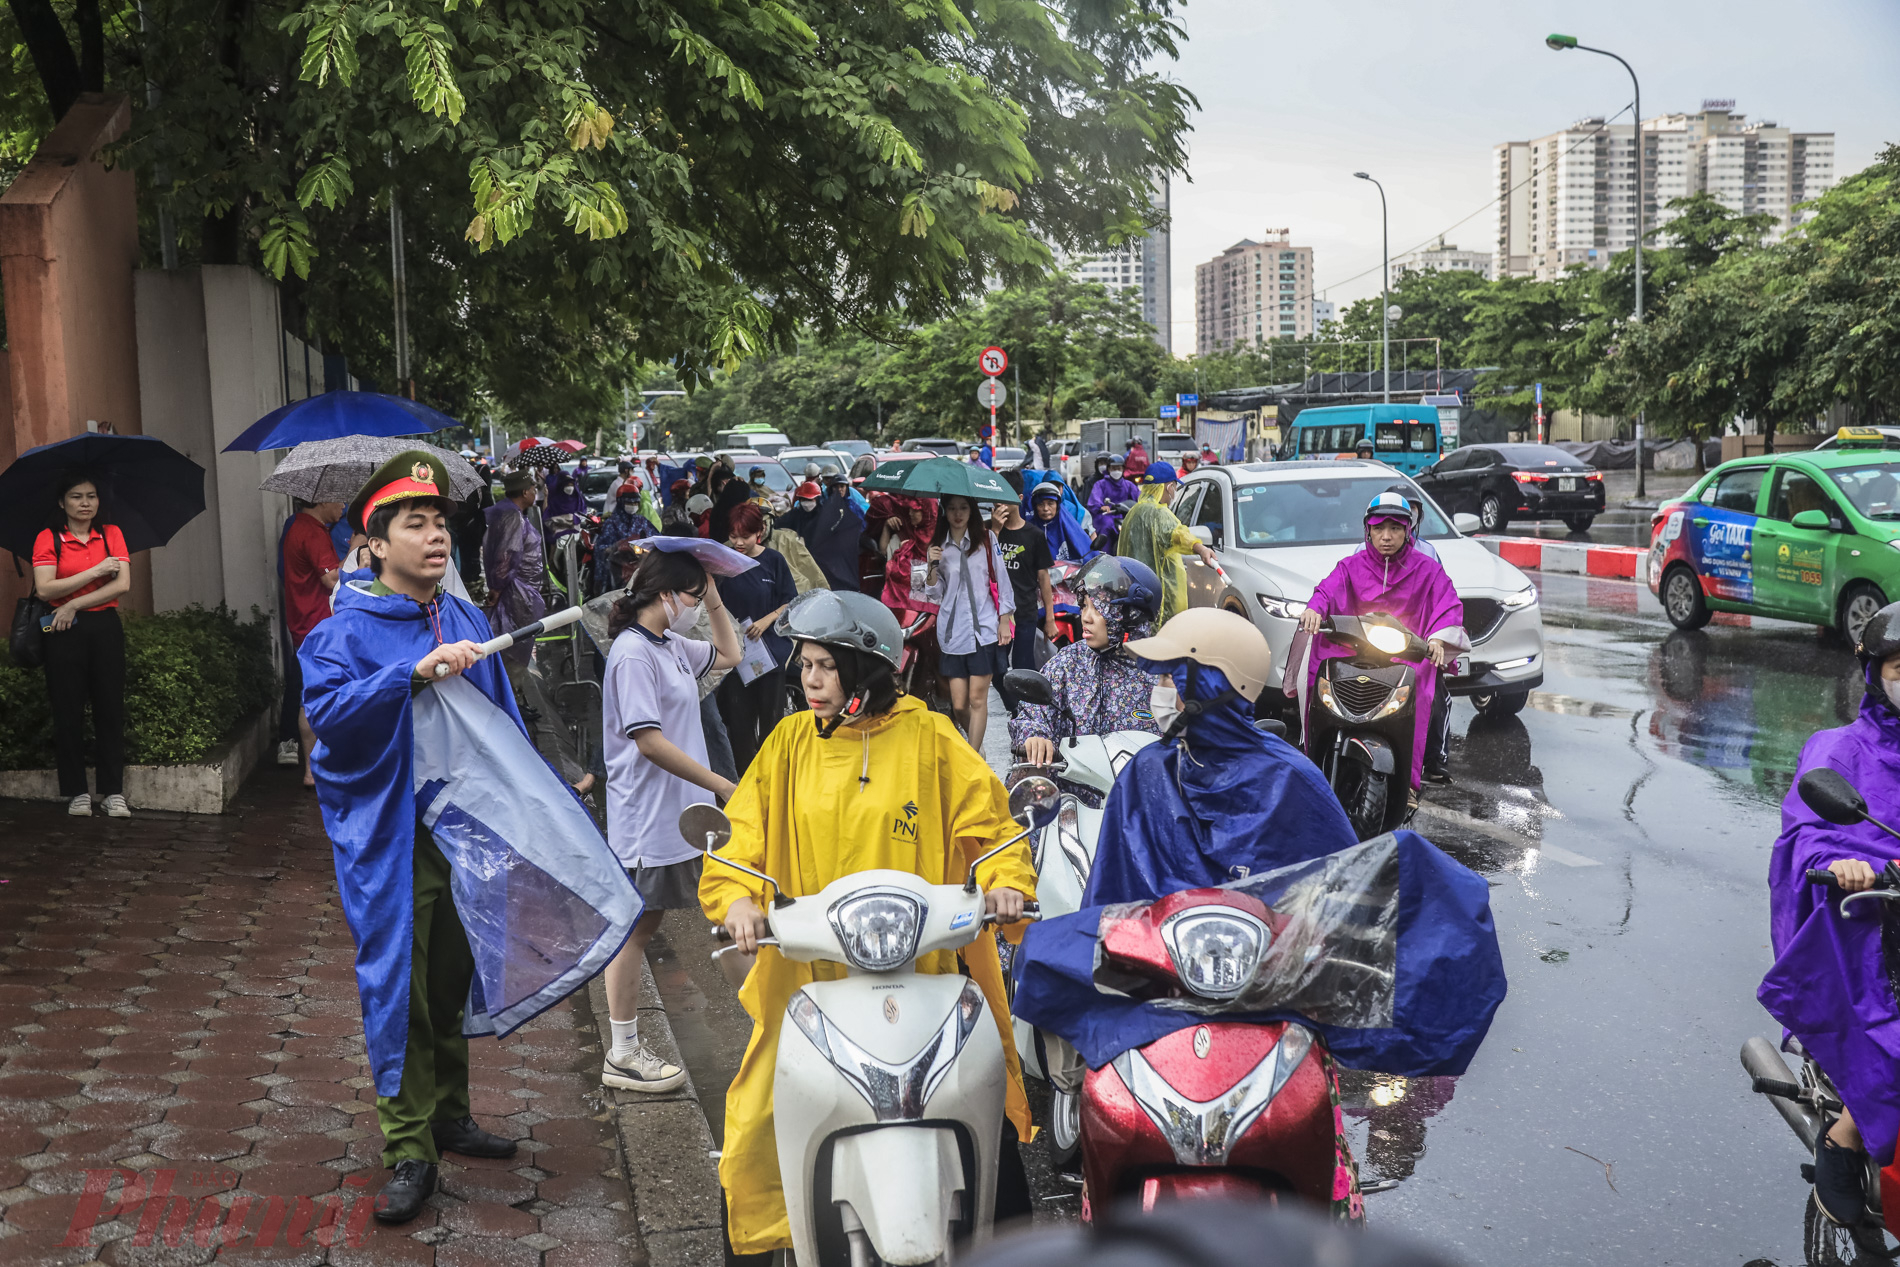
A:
{"x":843,"y":619}
{"x":1880,"y":636}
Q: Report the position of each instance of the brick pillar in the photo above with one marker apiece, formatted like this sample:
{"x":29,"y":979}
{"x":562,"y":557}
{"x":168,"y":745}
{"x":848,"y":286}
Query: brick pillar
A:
{"x":68,"y":246}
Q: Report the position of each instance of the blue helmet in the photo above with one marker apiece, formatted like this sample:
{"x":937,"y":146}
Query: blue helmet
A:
{"x":1391,"y":505}
{"x":1125,"y":591}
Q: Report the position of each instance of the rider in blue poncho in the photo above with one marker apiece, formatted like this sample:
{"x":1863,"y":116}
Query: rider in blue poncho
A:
{"x":1218,"y":798}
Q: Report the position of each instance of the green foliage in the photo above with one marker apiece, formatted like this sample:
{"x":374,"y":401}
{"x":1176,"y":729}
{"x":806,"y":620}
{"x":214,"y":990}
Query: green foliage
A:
{"x":590,"y":188}
{"x":1076,"y":350}
{"x":190,"y":676}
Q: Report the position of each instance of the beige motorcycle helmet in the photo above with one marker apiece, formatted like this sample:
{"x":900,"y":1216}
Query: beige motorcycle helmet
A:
{"x":1214,"y":638}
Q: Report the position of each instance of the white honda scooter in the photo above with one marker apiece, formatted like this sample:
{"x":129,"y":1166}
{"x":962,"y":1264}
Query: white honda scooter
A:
{"x":889,"y":1109}
{"x":1062,"y":874}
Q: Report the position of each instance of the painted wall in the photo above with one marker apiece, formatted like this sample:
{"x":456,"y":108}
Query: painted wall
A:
{"x":68,"y":245}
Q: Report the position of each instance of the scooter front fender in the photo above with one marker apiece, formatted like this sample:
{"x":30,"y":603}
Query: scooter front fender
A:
{"x":919,"y":1172}
{"x":1368,"y":750}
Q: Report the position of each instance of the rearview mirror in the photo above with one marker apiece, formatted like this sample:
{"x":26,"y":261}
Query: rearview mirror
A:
{"x":1466,"y":524}
{"x":1832,"y":797}
{"x":1029,"y":685}
{"x":705,"y":827}
{"x":1203,"y":534}
{"x":1029,"y":793}
{"x":1816,"y":519}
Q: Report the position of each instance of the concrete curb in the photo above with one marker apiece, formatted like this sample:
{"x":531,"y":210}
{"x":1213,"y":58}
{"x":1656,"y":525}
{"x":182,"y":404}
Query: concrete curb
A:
{"x":666,"y":1146}
{"x":1628,"y":563}
{"x":199,"y":787}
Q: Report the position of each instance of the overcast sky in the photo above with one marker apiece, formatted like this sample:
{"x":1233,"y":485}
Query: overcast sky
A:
{"x":1296,"y":96}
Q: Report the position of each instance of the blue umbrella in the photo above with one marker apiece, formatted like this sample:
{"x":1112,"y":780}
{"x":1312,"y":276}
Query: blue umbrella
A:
{"x":149,"y":489}
{"x":334,"y":415}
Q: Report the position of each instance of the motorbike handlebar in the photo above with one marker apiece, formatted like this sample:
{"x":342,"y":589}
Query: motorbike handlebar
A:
{"x":1882,"y":880}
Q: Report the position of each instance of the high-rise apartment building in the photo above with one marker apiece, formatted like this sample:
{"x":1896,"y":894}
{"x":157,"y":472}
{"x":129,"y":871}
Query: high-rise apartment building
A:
{"x":1569,"y":197}
{"x":1143,"y":266}
{"x":1441,"y":257}
{"x":1254,"y":292}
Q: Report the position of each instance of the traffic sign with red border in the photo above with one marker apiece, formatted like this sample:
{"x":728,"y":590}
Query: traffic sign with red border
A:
{"x":992,"y":361}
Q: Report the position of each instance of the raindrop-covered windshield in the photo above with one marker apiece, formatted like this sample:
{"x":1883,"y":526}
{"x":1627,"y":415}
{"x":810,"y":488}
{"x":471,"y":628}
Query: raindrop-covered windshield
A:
{"x":1322,"y":511}
{"x":1873,"y":488}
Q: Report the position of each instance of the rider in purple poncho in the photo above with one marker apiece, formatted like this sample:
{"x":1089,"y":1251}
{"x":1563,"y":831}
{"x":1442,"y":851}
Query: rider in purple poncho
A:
{"x":1113,"y":488}
{"x":1830,"y":985}
{"x":1391,"y":574}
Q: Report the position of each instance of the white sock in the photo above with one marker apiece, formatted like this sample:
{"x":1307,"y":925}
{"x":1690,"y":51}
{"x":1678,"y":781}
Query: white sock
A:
{"x":626,"y":1034}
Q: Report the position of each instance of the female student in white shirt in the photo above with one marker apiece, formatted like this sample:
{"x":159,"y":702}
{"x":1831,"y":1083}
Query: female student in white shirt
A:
{"x":976,"y":607}
{"x":655,"y":750}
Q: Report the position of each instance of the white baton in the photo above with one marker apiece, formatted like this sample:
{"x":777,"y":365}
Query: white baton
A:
{"x":501,"y":642}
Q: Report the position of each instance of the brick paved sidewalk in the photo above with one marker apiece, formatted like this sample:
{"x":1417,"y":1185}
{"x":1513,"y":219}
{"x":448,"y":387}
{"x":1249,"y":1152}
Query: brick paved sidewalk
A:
{"x":177,"y":1002}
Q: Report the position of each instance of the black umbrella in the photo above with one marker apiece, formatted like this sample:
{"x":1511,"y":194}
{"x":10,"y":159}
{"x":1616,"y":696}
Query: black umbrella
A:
{"x":148,"y":489}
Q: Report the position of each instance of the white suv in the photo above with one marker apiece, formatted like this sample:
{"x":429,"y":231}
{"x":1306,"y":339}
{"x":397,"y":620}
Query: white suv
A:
{"x":1279,"y":528}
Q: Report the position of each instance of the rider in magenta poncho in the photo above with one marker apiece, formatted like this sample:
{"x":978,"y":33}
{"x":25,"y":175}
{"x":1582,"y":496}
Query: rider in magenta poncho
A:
{"x":1830,"y":985}
{"x":1406,"y":584}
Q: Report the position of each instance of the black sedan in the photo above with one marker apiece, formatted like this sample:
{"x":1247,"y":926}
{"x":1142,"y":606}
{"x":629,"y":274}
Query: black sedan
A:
{"x":1502,"y":482}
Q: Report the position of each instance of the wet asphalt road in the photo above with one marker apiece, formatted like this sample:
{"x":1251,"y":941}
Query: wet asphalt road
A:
{"x":1624,"y":821}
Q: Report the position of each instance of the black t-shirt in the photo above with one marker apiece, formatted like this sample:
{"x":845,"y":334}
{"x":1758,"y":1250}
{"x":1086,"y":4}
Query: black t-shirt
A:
{"x":1025,"y":552}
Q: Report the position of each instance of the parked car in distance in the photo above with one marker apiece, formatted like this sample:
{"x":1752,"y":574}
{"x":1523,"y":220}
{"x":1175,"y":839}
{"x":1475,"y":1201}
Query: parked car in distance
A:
{"x":1810,"y":536}
{"x":1008,"y":459}
{"x":856,"y":448}
{"x":939,"y":446}
{"x":1278,"y":529}
{"x":1172,"y":446}
{"x":598,"y":486}
{"x":828,"y":461}
{"x":1502,"y":482}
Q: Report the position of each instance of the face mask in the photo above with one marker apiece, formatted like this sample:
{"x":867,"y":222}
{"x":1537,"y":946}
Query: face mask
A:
{"x":682,"y":617}
{"x":1165,"y":703}
{"x":807,"y":504}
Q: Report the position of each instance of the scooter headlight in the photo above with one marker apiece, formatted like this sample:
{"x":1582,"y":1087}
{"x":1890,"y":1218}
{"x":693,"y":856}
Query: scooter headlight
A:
{"x":878,"y":930}
{"x":1385,"y":638}
{"x":1215,"y":950}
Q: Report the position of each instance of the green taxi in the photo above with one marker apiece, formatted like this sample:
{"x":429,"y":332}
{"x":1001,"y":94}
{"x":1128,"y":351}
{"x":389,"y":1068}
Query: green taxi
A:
{"x":1812,"y":536}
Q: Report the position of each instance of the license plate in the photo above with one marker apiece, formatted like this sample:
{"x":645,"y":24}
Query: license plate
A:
{"x":1461,"y":666}
{"x":1566,"y":486}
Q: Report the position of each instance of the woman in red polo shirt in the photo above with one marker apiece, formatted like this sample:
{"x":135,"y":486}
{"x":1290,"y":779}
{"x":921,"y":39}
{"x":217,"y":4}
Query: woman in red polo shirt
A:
{"x":80,"y":565}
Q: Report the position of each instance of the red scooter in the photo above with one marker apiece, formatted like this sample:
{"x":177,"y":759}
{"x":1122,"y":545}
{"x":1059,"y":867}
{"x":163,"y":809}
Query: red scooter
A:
{"x":1228,"y":1108}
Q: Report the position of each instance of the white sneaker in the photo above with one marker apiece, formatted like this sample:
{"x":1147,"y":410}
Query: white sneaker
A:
{"x":116,"y":807}
{"x":637,"y":1069}
{"x":287,"y":753}
{"x":80,"y":806}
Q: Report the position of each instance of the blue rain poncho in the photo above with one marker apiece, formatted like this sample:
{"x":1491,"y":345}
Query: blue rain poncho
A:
{"x":1220,"y":800}
{"x":541,"y":897}
{"x":1068,"y":538}
{"x":1395,"y":904}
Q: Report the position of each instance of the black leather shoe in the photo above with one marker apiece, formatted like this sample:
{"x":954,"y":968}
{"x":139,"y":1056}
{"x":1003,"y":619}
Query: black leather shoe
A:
{"x":1840,"y":1182}
{"x":1437,"y":774}
{"x":402,"y":1197}
{"x":470,"y":1140}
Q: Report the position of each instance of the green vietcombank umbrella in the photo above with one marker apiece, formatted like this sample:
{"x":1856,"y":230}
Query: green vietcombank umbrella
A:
{"x":941,"y":477}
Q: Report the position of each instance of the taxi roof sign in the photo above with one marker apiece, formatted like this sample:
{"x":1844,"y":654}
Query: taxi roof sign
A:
{"x":1860,"y":437}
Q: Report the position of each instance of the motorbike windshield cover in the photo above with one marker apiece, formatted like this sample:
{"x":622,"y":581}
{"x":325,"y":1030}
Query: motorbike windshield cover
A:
{"x":1385,"y":949}
{"x":543,"y":900}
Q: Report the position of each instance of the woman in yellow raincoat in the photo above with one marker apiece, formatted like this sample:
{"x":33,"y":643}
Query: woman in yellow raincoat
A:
{"x":1152,"y":534}
{"x":875,"y":781}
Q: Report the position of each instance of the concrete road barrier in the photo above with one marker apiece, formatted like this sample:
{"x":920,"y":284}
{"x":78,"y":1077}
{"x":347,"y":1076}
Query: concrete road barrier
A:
{"x":1532,"y":554}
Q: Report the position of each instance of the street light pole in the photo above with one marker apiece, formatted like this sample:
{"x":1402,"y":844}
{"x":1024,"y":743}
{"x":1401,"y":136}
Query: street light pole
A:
{"x":1562,"y":43}
{"x":1385,"y":296}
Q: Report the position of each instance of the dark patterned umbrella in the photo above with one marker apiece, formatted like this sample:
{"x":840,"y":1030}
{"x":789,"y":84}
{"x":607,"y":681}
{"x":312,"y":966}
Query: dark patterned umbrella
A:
{"x":334,"y":470}
{"x":547,"y":456}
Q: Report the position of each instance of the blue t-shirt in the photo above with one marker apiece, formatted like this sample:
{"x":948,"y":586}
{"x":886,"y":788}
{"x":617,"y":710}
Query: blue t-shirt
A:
{"x":759,"y":590}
